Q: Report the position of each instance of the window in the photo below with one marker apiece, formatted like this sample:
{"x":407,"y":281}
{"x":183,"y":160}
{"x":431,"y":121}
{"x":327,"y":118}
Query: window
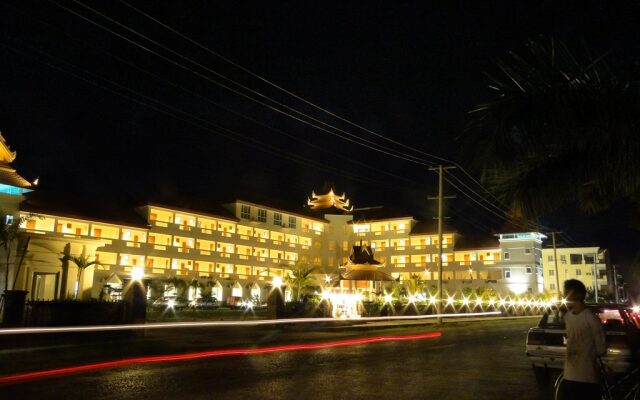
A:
{"x":277,"y":219}
{"x":507,"y":274}
{"x":563,"y":259}
{"x":552,"y":286}
{"x":527,"y":251}
{"x":292,"y":222}
{"x":528,"y":269}
{"x":262,"y":215}
{"x":245,"y":211}
{"x":8,"y":219}
{"x":575,"y":258}
{"x":550,"y":258}
{"x":506,"y":255}
{"x":552,"y":272}
{"x":589,"y":259}
{"x":578,"y":272}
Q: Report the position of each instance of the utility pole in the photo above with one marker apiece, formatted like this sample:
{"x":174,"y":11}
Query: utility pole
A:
{"x":595,"y":275}
{"x":615,"y":284}
{"x":440,"y":170}
{"x":555,"y":262}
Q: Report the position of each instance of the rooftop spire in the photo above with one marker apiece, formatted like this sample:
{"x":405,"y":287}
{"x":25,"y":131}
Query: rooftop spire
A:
{"x":328,"y":200}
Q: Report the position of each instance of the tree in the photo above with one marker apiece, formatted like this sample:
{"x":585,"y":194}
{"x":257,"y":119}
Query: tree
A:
{"x":82,"y":262}
{"x":486,"y":293}
{"x":560,"y":129}
{"x":9,"y":229}
{"x":176,"y":283}
{"x":302,"y":280}
{"x":415,"y":285}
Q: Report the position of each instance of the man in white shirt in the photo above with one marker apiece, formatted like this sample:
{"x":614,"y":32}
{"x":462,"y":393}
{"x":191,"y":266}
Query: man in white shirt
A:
{"x":585,"y":343}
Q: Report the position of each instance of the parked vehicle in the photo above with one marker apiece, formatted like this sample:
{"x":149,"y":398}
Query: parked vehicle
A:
{"x":204,"y":303}
{"x":234,"y":302}
{"x":546,"y":343}
{"x":171,"y":302}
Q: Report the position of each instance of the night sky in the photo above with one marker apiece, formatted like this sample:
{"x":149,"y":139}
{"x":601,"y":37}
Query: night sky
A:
{"x":408,"y":71}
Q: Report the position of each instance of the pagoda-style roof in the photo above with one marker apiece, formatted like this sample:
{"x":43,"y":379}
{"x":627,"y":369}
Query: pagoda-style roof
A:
{"x":8,"y":175}
{"x":329,"y":200}
{"x":362,"y":254}
{"x":362,"y":266}
{"x":365,"y":275}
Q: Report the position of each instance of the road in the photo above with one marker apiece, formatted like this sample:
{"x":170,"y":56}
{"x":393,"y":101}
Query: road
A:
{"x":470,"y":361}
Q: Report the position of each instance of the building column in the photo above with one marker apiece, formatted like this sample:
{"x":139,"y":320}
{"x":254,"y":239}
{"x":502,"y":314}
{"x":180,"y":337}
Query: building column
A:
{"x":65,"y":272}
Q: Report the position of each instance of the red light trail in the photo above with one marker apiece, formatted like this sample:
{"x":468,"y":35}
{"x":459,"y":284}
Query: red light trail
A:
{"x":57,"y":372}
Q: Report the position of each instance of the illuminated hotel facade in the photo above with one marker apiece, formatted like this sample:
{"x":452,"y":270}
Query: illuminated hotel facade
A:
{"x":240,"y":249}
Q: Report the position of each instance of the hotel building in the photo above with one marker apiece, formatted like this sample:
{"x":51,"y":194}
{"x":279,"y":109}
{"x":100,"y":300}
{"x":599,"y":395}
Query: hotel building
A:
{"x":239,"y":247}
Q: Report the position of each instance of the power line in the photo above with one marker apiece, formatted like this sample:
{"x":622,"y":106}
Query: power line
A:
{"x":371,"y":145}
{"x":275,"y":85}
{"x":225,"y":108}
{"x":533,"y":226}
{"x":230,"y":134}
{"x":352,"y":138}
{"x":246,"y":70}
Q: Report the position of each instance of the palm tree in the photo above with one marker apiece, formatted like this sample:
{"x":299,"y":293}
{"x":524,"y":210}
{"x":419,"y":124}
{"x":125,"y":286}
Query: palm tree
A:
{"x":560,"y":129}
{"x":415,"y":284}
{"x":178,"y":284}
{"x":82,"y":262}
{"x":302,"y":280}
{"x":9,"y":229}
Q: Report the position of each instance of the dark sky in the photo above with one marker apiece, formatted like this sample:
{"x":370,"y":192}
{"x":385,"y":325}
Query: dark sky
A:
{"x":406,"y":70}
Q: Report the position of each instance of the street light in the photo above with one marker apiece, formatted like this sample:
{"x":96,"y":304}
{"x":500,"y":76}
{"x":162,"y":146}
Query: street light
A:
{"x":137,"y":273}
{"x":277,"y":281}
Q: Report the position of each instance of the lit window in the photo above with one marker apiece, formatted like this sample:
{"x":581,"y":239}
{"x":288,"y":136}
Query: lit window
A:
{"x":277,"y":219}
{"x":292,"y":222}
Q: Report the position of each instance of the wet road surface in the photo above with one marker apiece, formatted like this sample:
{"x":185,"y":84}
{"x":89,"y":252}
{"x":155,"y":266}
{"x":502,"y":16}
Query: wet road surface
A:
{"x":483,"y":361}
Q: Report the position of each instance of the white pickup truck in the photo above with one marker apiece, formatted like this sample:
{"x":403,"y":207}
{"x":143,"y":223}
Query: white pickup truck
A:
{"x":546,"y":343}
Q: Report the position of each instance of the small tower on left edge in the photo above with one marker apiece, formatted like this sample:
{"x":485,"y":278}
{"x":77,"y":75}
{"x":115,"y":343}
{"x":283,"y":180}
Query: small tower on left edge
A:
{"x":13,"y":187}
